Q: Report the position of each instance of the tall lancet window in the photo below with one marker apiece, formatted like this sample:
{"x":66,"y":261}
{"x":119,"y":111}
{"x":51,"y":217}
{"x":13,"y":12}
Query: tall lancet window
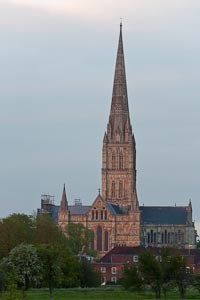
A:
{"x":121,"y":163}
{"x":99,"y":238}
{"x":125,"y":189}
{"x":113,"y":161}
{"x":113,"y":189}
{"x":120,"y":189}
{"x":106,"y":240}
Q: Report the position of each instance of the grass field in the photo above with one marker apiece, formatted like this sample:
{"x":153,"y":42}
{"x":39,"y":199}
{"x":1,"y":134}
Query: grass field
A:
{"x":104,"y":293}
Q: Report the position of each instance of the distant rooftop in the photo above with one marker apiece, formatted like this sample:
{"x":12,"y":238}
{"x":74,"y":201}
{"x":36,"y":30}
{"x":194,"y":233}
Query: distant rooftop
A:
{"x":176,"y":215}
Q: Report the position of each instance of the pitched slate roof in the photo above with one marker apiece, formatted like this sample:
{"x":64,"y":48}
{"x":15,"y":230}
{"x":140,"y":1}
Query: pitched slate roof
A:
{"x":176,"y":215}
{"x":79,"y":209}
{"x":74,"y":210}
{"x":114,"y":209}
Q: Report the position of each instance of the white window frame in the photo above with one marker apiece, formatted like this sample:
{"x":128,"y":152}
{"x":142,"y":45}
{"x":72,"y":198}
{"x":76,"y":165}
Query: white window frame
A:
{"x":103,"y":269}
{"x":135,"y":258}
{"x":114,"y":270}
{"x":114,"y":279}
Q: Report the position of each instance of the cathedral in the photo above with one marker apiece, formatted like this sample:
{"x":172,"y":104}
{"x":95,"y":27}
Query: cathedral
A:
{"x":115,"y":216}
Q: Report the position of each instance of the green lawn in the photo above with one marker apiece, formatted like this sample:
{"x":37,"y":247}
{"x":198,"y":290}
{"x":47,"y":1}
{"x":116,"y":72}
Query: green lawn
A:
{"x":104,"y":293}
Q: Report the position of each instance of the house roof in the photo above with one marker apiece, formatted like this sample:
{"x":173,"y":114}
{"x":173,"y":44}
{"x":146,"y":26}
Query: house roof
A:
{"x":124,"y":250}
{"x":175,"y":215}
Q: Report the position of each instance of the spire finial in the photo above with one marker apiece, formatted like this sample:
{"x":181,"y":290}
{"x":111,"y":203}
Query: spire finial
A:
{"x":120,"y":23}
{"x":99,"y":190}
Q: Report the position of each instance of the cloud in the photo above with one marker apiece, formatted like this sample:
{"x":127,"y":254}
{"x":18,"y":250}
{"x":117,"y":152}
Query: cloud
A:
{"x":106,"y":9}
{"x":142,"y":16}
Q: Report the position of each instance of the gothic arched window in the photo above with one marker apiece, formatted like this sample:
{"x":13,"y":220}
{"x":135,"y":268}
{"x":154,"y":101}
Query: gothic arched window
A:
{"x":162,"y":238}
{"x":105,"y":215}
{"x":113,"y":161}
{"x":125,"y":189}
{"x":151,"y":236}
{"x":148,"y":238}
{"x":106,"y":241}
{"x":121,"y":163}
{"x":154,"y":237}
{"x":168,"y":238}
{"x":165,"y":236}
{"x":120,"y":189}
{"x":113,"y":189}
{"x":99,"y":238}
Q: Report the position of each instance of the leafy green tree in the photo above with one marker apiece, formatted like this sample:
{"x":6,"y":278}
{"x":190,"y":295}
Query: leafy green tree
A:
{"x":71,"y":269}
{"x":8,"y":278}
{"x":14,"y":230}
{"x":51,"y":268}
{"x":89,"y":277}
{"x":132,"y":279}
{"x":79,"y":238}
{"x":196,"y":282}
{"x":151,"y":271}
{"x":179,"y":274}
{"x":47,"y":232}
{"x":24,"y":261}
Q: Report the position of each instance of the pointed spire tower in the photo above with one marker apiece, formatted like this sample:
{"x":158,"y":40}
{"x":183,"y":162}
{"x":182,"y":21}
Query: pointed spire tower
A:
{"x":119,"y":112}
{"x":63,"y":202}
{"x":63,"y":213}
{"x":119,"y":154}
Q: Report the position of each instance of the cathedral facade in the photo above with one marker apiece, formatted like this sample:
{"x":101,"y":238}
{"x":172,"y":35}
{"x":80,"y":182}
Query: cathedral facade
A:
{"x":115,"y":216}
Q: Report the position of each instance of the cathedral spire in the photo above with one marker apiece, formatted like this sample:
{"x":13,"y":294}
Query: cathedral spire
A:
{"x":119,"y":112}
{"x":63,"y":202}
{"x":119,"y":152}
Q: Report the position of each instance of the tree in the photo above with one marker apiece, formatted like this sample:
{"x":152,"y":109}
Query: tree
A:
{"x":71,"y":269}
{"x":8,"y":280}
{"x":79,"y":238}
{"x":132,"y":279}
{"x":151,"y":271}
{"x":24,"y":261}
{"x":196,"y":282}
{"x":198,"y":242}
{"x":179,"y":274}
{"x":51,"y":269}
{"x":47,"y":232}
{"x":7,"y":276}
{"x":89,"y":278}
{"x":14,"y":230}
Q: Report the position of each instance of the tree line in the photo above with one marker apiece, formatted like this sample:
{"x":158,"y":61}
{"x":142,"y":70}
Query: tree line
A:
{"x":160,"y":274}
{"x":34,"y":252}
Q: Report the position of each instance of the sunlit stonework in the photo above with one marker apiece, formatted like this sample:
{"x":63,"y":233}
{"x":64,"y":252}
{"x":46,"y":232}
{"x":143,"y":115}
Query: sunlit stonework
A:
{"x":115,"y":216}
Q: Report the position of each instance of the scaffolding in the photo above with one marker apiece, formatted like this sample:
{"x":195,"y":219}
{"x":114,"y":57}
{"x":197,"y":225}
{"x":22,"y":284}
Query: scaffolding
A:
{"x":47,"y":201}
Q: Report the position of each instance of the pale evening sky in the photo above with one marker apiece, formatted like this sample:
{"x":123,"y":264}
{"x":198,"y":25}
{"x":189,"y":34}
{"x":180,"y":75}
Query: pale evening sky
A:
{"x":57,"y":60}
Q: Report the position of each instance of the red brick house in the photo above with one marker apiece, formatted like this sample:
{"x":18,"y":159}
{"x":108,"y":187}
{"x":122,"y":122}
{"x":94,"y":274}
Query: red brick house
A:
{"x":111,"y":266}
